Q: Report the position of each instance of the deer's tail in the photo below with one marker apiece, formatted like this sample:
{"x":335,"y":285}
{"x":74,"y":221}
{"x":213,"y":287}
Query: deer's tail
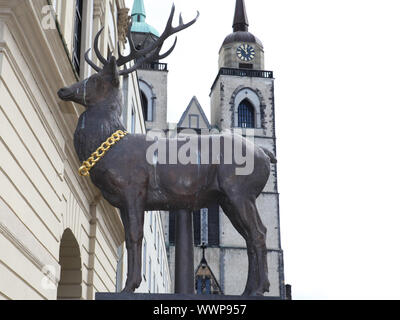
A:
{"x":270,"y":155}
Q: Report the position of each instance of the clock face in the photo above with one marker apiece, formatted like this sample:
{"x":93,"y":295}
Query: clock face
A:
{"x":246,"y":52}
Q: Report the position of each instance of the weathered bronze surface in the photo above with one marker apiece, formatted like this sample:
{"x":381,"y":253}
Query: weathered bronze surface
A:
{"x":129,"y":182}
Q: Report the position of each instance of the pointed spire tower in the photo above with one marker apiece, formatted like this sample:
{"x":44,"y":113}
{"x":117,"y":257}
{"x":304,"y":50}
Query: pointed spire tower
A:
{"x":239,"y":36}
{"x":240,"y":22}
{"x":242,"y":99}
{"x":139,"y":19}
{"x":138,"y":8}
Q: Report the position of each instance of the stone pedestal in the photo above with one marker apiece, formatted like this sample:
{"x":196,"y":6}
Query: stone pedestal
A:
{"x":192,"y":297}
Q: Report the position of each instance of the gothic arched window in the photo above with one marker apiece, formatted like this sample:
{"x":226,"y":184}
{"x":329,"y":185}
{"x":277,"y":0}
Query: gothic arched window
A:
{"x":246,"y":115}
{"x":247,"y":107}
{"x":148,"y":98}
{"x":145,"y":106}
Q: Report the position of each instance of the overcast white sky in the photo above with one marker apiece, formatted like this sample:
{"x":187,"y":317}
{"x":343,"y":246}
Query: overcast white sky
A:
{"x":337,"y":70}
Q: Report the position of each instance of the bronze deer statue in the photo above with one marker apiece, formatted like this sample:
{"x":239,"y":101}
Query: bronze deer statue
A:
{"x":131,"y":183}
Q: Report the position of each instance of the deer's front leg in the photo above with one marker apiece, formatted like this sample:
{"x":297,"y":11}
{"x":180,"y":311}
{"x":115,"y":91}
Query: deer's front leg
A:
{"x":133,"y":224}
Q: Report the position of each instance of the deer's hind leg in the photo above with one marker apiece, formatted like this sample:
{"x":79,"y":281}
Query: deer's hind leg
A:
{"x":243,"y":214}
{"x":133,"y":220}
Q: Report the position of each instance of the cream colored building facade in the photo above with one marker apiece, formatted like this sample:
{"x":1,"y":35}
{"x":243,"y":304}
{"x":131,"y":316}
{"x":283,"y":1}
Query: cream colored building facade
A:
{"x":58,"y":237}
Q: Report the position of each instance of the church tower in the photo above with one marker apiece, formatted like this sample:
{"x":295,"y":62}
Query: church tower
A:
{"x":153,"y":77}
{"x":242,"y":99}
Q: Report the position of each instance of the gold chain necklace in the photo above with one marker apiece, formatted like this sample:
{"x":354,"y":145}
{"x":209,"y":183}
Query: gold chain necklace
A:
{"x":101,"y":152}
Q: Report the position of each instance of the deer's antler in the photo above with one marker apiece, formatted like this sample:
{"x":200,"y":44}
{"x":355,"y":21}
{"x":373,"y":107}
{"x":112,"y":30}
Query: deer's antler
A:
{"x":97,"y":51}
{"x":149,"y":54}
{"x":90,"y":62}
{"x":152,"y":53}
{"x":96,"y":47}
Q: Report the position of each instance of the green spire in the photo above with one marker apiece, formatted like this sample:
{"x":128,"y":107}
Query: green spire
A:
{"x":139,"y":19}
{"x":138,"y":9}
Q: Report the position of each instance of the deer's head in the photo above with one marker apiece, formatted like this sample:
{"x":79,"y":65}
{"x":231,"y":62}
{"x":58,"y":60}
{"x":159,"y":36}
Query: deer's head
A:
{"x":103,"y":87}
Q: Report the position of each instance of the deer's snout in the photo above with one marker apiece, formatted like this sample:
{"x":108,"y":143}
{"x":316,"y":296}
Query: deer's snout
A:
{"x":65,"y":94}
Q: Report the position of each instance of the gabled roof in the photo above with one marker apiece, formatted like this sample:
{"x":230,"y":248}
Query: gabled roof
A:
{"x":194,"y":108}
{"x":204,"y":271}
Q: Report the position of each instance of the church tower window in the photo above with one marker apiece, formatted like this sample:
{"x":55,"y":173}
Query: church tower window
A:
{"x":145,"y":106}
{"x":246,"y":115}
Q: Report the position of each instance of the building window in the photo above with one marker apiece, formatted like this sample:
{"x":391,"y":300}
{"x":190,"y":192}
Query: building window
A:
{"x":126,"y":106}
{"x":148,"y":101}
{"x":111,"y":23}
{"x":248,"y":108}
{"x":194,"y":121}
{"x":246,"y":115}
{"x":54,"y":2}
{"x":203,"y":285}
{"x":145,"y":106}
{"x":76,"y":54}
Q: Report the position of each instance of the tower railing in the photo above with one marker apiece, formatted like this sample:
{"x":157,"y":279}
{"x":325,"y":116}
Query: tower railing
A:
{"x":243,"y":73}
{"x":156,"y":66}
{"x":246,"y":73}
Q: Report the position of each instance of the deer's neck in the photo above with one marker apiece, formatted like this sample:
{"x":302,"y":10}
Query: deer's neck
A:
{"x":94,"y":127}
